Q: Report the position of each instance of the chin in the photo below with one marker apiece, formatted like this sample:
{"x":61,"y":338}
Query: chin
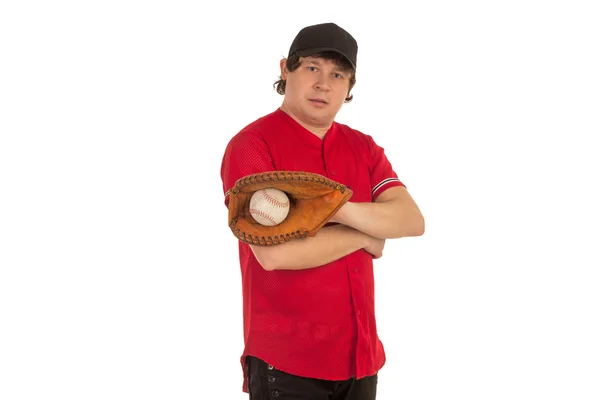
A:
{"x":322,"y":118}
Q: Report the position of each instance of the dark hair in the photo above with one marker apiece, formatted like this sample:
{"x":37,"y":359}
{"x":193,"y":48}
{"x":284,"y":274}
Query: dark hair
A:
{"x":293,"y":62}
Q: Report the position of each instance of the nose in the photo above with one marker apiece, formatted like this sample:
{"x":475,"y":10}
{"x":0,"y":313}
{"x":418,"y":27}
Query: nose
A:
{"x":322,"y":84}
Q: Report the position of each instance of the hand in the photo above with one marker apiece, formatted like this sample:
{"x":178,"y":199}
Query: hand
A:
{"x":375,"y":247}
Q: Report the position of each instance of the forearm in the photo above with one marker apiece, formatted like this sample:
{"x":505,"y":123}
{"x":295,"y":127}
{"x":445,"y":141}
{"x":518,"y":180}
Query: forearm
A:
{"x":331,"y":243}
{"x":386,"y":220}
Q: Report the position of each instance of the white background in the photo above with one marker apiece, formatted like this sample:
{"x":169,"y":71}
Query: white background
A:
{"x":119,"y":277}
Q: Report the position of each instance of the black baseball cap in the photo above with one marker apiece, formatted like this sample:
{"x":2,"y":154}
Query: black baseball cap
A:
{"x":325,"y":37}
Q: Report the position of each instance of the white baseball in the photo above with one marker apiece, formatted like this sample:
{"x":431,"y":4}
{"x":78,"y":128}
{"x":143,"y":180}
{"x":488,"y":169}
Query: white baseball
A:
{"x":269,"y":206}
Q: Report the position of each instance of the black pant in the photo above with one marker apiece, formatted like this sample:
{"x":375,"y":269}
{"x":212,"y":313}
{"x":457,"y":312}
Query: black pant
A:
{"x":268,"y":383}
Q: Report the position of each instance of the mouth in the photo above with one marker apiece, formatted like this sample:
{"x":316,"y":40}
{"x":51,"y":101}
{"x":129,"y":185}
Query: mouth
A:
{"x":318,"y":101}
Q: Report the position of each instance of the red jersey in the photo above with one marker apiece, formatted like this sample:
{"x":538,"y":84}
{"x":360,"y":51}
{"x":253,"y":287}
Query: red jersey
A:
{"x":318,"y":322}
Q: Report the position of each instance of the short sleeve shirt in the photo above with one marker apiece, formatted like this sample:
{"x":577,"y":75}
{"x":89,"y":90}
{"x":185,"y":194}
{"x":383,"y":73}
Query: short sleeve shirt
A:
{"x":318,"y":322}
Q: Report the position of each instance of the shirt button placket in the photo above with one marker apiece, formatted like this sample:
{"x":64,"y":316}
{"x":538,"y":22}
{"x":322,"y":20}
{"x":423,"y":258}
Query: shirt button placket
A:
{"x":355,"y":269}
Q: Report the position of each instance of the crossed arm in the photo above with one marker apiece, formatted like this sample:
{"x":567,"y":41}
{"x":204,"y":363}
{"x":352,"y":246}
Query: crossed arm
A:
{"x":394,"y":214}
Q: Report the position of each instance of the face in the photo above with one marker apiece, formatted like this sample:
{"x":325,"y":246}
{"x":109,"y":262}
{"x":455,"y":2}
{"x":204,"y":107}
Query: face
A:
{"x":315,"y":91}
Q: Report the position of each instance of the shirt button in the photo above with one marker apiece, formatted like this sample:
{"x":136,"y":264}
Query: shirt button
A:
{"x":355,"y":269}
{"x":357,"y":312}
{"x":275,"y":393}
{"x":333,"y":173}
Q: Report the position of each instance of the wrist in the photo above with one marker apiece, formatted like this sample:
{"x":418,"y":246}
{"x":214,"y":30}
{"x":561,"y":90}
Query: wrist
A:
{"x":341,"y":216}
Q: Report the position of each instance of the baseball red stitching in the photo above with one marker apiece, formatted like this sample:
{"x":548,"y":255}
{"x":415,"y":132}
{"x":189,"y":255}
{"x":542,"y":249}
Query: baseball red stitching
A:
{"x":262,"y":214}
{"x":274,"y":201}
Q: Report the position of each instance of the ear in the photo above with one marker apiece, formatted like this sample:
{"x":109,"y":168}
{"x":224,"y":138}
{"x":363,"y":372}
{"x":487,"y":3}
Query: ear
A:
{"x":283,"y":69}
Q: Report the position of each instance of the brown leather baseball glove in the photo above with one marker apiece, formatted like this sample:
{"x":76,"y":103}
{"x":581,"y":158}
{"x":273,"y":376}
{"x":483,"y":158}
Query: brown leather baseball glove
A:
{"x":314,"y":199}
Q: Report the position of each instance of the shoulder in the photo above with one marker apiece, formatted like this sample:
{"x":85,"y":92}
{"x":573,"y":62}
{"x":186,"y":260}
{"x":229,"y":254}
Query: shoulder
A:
{"x":355,"y":136}
{"x":259,"y":129}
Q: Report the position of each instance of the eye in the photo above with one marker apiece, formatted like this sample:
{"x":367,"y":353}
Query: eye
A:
{"x":312,"y":69}
{"x":338,"y":76}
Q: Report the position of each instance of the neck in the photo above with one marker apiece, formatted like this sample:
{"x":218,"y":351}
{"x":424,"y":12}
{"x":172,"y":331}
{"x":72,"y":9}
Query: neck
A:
{"x":317,"y":130}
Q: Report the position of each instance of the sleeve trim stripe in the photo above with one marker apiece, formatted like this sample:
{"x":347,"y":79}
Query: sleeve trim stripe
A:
{"x":383,"y":183}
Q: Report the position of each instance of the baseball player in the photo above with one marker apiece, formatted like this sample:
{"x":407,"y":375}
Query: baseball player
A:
{"x":309,"y":318}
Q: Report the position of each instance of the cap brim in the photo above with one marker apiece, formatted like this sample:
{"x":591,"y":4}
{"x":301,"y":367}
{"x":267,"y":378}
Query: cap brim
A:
{"x":315,"y":50}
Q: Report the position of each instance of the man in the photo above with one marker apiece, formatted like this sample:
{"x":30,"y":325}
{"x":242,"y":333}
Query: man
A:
{"x":309,"y":323}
